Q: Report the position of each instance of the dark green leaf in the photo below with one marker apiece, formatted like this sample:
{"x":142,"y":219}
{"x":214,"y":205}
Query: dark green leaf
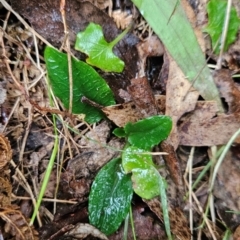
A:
{"x":86,"y":82}
{"x":92,"y":42}
{"x":110,"y":197}
{"x":145,"y":176}
{"x":148,"y":132}
{"x":216,"y":15}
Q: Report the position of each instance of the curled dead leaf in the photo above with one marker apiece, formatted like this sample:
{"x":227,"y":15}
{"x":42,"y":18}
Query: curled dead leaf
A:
{"x":5,"y":151}
{"x":82,"y":230}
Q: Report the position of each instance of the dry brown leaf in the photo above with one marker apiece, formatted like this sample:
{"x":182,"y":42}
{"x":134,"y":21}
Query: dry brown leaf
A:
{"x":227,"y":188}
{"x":5,"y":192}
{"x":203,"y":127}
{"x":228,"y":89}
{"x":178,"y":222}
{"x":82,"y":230}
{"x":5,"y":151}
{"x":17,"y":225}
{"x":180,"y":98}
{"x":81,"y":170}
{"x":143,"y":97}
{"x":121,"y":114}
{"x":173,"y":165}
{"x":122,"y":18}
{"x":146,"y":225}
{"x":236,"y":235}
{"x":150,"y":47}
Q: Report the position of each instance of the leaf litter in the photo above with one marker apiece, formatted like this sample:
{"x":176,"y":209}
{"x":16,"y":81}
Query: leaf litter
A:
{"x":196,"y":123}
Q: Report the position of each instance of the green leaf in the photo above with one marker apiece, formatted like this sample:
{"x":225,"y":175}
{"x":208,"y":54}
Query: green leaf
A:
{"x":119,"y":132}
{"x":145,"y":176}
{"x":148,"y":132}
{"x":110,"y":197}
{"x":92,"y":42}
{"x":178,"y":37}
{"x":216,"y":16}
{"x":86,"y":82}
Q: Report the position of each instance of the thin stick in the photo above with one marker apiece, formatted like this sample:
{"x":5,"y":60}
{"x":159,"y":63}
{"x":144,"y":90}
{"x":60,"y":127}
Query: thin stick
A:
{"x":27,"y":187}
{"x":62,"y":10}
{"x":190,"y":161}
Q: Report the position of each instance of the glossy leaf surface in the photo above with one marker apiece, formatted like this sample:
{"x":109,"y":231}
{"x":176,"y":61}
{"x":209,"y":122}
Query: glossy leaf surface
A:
{"x":110,"y":197}
{"x":145,"y":176}
{"x":91,"y":41}
{"x":86,"y":82}
{"x":216,"y":16}
{"x":148,"y":132}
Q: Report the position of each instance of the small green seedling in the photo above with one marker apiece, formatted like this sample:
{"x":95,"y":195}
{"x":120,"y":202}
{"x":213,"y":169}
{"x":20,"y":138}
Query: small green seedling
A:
{"x":145,"y":179}
{"x":100,"y":53}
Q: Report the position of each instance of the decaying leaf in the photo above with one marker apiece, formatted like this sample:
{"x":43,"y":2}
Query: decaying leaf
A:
{"x":17,"y":225}
{"x":81,"y":169}
{"x":180,"y":98}
{"x":5,"y":151}
{"x":5,"y":192}
{"x":203,"y":127}
{"x":228,"y":89}
{"x":179,"y":224}
{"x":121,"y":114}
{"x":226,"y":189}
{"x":143,"y":97}
{"x":82,"y":230}
{"x":150,"y":47}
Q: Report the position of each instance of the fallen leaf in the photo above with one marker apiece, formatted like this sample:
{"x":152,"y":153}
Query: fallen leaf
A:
{"x":179,"y":224}
{"x":83,"y":230}
{"x":146,"y":226}
{"x":121,"y":114}
{"x":173,"y":164}
{"x":180,"y":98}
{"x":150,"y":47}
{"x":228,"y":89}
{"x":201,"y":127}
{"x":81,"y":169}
{"x":142,"y":96}
{"x":226,"y":189}
{"x":16,"y":225}
{"x":236,"y":235}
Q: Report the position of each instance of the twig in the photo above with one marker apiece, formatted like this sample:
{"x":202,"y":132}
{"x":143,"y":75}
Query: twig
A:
{"x":27,"y":188}
{"x":62,"y":10}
